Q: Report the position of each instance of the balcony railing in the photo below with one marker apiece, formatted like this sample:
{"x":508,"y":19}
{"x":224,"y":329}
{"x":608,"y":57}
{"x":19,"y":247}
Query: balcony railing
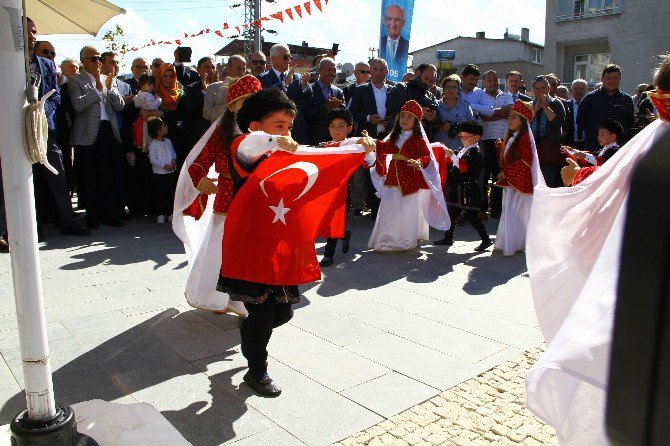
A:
{"x":574,"y":9}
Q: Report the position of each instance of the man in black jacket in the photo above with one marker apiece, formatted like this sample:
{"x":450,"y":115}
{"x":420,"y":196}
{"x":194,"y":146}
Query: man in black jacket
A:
{"x":362,"y":74}
{"x":607,"y":102}
{"x":513,"y":81}
{"x":572,"y":136}
{"x":418,"y":90}
{"x":318,"y":99}
{"x":195,"y":125}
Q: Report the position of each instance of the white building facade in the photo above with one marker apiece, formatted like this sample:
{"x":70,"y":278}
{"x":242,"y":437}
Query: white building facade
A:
{"x":583,"y":36}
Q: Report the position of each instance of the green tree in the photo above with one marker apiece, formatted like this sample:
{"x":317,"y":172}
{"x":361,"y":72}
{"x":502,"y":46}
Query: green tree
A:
{"x":112,"y":38}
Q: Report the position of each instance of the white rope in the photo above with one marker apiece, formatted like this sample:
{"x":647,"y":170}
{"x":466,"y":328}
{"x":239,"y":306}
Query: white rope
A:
{"x":36,"y":132}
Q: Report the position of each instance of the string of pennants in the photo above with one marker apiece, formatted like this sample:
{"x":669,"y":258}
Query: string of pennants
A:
{"x":227,"y":29}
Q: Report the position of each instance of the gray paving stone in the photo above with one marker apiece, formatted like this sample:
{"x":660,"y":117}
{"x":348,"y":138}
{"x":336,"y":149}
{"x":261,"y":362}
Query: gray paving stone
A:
{"x":321,"y":360}
{"x":274,"y":436}
{"x":390,"y":394}
{"x":188,"y":335}
{"x":428,"y":366}
{"x":204,"y":413}
{"x":334,"y":327}
{"x":340,"y":415}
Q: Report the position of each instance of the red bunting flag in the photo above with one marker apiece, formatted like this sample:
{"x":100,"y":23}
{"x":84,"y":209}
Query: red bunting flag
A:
{"x":225,"y":26}
{"x":218,"y":33}
{"x":289,"y":12}
{"x":298,"y":10}
{"x":286,"y":203}
{"x":177,"y":41}
{"x":279,"y":16}
{"x":257,"y":23}
{"x":326,"y":2}
{"x":238,"y":29}
{"x":308,"y":8}
{"x":318,"y":4}
{"x":185,"y":35}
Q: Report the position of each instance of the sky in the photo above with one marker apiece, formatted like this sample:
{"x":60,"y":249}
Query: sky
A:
{"x":353,"y":24}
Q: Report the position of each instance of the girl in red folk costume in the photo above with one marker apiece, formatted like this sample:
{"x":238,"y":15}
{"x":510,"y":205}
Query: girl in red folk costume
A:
{"x":408,"y":185}
{"x":516,"y":156}
{"x":198,"y":221}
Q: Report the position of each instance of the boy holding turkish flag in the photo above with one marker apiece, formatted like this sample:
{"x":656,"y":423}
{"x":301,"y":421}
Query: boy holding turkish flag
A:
{"x":290,"y":196}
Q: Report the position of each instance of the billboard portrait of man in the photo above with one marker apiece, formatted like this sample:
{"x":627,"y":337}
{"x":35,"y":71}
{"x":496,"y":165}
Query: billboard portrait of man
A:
{"x":394,"y":40}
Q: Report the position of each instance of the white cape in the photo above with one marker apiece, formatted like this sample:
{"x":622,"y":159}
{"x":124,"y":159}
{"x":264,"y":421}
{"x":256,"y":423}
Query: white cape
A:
{"x":573,"y":247}
{"x":202,"y":239}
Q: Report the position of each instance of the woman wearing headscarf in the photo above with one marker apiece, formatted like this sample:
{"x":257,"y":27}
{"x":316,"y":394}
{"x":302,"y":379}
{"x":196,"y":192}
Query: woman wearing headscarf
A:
{"x":172,"y":96}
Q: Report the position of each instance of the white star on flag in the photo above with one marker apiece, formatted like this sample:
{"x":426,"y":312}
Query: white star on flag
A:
{"x":280,"y":211}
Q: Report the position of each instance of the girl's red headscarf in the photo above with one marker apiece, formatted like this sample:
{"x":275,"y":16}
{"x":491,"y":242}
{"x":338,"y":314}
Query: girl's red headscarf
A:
{"x":170,"y":94}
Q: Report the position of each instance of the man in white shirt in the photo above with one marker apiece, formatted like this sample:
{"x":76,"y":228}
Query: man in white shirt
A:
{"x":513,"y":81}
{"x":473,"y":95}
{"x":495,"y":127}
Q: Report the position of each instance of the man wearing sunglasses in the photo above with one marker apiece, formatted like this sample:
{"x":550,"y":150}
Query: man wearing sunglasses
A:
{"x":96,"y":139}
{"x":362,"y":75}
{"x":45,"y":49}
{"x":44,"y":179}
{"x":258,"y":63}
{"x":284,"y":77}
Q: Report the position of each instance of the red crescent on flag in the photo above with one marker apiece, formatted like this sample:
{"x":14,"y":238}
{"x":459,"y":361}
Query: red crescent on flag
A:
{"x":310,"y":169}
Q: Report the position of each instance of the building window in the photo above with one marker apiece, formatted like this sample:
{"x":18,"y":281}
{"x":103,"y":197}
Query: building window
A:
{"x":537,"y":55}
{"x":580,"y":9}
{"x":590,"y":66}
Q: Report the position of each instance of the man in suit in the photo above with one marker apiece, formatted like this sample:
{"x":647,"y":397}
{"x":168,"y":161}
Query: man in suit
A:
{"x":362,"y":75}
{"x":548,"y":120}
{"x":43,"y":178}
{"x":513,"y":81}
{"x":368,"y":105}
{"x":318,"y":99}
{"x":286,"y":79}
{"x":96,"y":138}
{"x":257,"y":63}
{"x":68,"y":67}
{"x":194,"y":123}
{"x":571,"y":135}
{"x":138,"y":167}
{"x":393,"y":47}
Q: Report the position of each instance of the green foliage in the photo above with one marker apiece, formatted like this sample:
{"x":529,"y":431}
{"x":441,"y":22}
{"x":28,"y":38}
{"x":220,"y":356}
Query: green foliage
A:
{"x":112,"y":38}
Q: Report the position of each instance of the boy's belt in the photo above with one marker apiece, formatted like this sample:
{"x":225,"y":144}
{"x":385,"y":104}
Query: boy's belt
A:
{"x":399,"y":157}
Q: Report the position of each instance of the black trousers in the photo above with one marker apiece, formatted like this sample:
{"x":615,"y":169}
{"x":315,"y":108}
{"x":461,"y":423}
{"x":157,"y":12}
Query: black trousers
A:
{"x":138,"y":184}
{"x":469,"y":215}
{"x":256,"y":329}
{"x":491,"y":171}
{"x":163,"y":187}
{"x":552,"y":174}
{"x":371,"y":199}
{"x":52,"y":191}
{"x":96,"y":167}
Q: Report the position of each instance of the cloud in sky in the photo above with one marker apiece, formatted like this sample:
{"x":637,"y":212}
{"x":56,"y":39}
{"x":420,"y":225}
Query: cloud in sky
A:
{"x":353,"y":24}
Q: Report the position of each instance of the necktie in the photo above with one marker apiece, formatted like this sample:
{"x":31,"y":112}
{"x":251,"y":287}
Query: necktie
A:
{"x":393,"y":47}
{"x":282,"y":77}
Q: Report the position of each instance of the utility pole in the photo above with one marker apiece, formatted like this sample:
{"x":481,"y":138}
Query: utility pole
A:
{"x":252,"y":35}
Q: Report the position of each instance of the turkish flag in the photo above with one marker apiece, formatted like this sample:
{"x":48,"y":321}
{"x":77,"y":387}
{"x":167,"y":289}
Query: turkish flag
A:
{"x":286,"y":203}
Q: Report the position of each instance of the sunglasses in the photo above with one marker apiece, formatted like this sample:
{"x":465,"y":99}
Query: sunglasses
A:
{"x":286,"y":57}
{"x":46,"y":52}
{"x":363,"y":71}
{"x":95,"y":59}
{"x":258,"y":62}
{"x":142,"y":67}
{"x":156,"y":65}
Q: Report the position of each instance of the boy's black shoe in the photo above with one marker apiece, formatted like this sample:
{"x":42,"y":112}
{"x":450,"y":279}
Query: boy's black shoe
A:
{"x":326,"y":261}
{"x":444,"y":241}
{"x":265,"y":386}
{"x":484,"y":244}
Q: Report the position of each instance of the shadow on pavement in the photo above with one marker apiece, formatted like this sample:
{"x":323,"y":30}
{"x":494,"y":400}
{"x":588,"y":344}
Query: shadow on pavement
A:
{"x":136,"y":362}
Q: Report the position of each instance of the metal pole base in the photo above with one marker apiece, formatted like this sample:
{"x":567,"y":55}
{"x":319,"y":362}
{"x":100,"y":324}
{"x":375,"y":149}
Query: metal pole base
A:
{"x":59,"y":431}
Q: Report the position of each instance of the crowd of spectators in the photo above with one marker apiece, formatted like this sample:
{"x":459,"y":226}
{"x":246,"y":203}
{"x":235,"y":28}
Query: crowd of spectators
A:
{"x":99,"y":144}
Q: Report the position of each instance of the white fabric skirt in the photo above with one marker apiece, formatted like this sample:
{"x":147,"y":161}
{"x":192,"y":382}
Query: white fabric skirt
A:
{"x":400,"y":221}
{"x":511,"y":236}
{"x":204,"y":270}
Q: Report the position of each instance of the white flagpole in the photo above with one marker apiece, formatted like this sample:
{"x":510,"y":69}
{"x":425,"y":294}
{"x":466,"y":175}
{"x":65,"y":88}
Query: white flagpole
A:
{"x":21,"y":222}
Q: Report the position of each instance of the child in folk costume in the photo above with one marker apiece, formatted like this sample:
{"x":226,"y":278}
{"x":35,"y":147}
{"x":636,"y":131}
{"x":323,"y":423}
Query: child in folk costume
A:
{"x":403,"y":217}
{"x":340,"y":125}
{"x":463,"y":191}
{"x":516,"y":156}
{"x":198,"y":221}
{"x":610,"y":133}
{"x":268,"y":115}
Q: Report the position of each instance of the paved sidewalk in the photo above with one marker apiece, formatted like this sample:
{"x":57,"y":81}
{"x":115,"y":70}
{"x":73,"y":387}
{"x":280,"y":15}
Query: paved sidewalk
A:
{"x":488,"y":410}
{"x":378,"y":335}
